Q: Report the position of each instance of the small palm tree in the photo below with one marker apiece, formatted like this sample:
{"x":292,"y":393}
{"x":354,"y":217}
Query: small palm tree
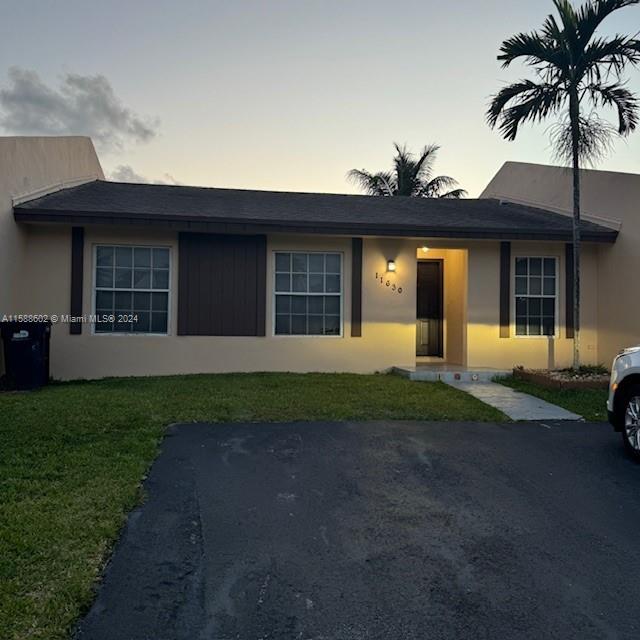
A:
{"x":574,"y":68}
{"x":410,"y":176}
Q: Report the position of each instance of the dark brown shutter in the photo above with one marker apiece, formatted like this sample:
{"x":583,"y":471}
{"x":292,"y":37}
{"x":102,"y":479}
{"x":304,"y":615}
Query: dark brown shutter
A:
{"x":222,"y":282}
{"x":77,"y":269}
{"x":569,"y":286}
{"x":505,"y":289}
{"x":356,"y":287}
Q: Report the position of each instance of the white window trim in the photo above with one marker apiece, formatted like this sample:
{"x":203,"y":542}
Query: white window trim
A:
{"x":339,"y":294}
{"x":120,"y":334}
{"x":556,"y":325}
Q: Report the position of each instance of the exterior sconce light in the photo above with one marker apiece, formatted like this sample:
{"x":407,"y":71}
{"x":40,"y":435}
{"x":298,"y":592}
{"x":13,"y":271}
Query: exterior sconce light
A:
{"x":391,"y":265}
{"x":425,"y":249}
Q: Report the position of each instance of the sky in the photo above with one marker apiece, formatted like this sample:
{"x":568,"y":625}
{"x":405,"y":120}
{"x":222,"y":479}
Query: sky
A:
{"x":278,"y":94}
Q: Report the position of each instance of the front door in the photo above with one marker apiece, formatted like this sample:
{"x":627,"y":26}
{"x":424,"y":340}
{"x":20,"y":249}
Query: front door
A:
{"x":429,"y":309}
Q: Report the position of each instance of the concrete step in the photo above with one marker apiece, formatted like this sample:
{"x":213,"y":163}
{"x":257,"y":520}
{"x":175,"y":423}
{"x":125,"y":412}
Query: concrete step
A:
{"x":443,"y":373}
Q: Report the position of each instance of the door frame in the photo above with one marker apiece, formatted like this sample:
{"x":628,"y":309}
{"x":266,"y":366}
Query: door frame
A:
{"x":443,"y":319}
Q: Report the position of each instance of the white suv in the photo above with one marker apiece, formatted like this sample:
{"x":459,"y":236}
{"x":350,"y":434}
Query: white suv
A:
{"x":623,"y":405}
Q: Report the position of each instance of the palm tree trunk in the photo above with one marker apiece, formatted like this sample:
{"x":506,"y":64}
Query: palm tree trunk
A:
{"x":574,"y":115}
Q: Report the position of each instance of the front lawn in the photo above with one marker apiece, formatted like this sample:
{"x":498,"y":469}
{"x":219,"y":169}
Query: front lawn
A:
{"x":588,"y":403}
{"x":72,"y":457}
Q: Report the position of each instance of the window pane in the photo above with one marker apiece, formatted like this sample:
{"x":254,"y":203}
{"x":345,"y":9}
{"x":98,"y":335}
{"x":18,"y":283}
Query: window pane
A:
{"x":548,"y":328}
{"x":283,"y":282}
{"x":298,"y":304}
{"x":332,"y":305}
{"x":299,"y":282}
{"x":521,"y":286}
{"x":122,"y":327}
{"x":332,"y":284}
{"x":104,"y":300}
{"x":316,"y":262}
{"x":283,"y":262}
{"x":333,"y":263}
{"x":142,"y":278}
{"x":143,"y":325}
{"x":535,"y":266}
{"x":549,"y":286}
{"x":104,"y":327}
{"x":535,"y":286}
{"x":283,"y":324}
{"x":160,"y":279}
{"x":332,"y":325}
{"x":124,"y":256}
{"x":548,"y":307}
{"x":161,"y":258}
{"x":104,"y":277}
{"x":299,"y":263}
{"x":315,"y":325}
{"x":123,"y":278}
{"x":535,"y":327}
{"x":141,"y":257}
{"x":549,"y":267}
{"x":141,"y":301}
{"x":104,"y":256}
{"x":122,"y":301}
{"x":158,"y":322}
{"x":159,"y":301}
{"x":521,"y":306}
{"x":316,"y":283}
{"x":535,"y":306}
{"x":521,"y":326}
{"x":521,"y":266}
{"x":315,"y":305}
{"x":283,"y":304}
{"x":299,"y":325}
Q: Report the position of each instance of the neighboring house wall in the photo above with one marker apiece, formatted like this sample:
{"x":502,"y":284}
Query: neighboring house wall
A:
{"x":388,"y":317}
{"x":607,"y":197}
{"x":28,"y":164}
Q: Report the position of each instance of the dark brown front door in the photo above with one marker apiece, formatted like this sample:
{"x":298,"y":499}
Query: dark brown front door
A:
{"x":429,"y":309}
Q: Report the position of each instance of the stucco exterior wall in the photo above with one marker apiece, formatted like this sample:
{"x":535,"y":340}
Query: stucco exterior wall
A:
{"x":28,"y":164}
{"x":388,"y":328}
{"x":607,"y":197}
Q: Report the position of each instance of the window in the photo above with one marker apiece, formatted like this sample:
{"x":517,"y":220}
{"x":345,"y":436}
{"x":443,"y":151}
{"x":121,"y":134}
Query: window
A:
{"x":132,"y":285}
{"x":535,"y":296}
{"x":308,"y":294}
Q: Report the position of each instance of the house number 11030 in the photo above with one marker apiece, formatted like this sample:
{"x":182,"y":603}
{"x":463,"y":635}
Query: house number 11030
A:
{"x":387,"y":283}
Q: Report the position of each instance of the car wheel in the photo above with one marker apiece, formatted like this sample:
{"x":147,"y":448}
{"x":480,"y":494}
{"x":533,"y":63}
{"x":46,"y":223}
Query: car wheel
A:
{"x":631,"y":422}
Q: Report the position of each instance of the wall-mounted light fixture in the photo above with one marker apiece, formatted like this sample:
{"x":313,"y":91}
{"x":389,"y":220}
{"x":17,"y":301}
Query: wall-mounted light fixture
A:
{"x":391,"y":265}
{"x":425,"y":249}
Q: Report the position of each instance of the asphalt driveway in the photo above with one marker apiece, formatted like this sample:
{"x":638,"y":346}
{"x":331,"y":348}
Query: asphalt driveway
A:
{"x":379,"y":531}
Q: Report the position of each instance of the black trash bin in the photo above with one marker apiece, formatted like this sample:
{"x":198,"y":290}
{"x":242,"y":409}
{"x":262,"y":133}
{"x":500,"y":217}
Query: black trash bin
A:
{"x":26,"y":353}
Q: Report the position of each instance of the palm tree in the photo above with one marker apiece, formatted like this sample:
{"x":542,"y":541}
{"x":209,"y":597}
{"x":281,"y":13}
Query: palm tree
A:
{"x":409,"y":177}
{"x":577,"y":72}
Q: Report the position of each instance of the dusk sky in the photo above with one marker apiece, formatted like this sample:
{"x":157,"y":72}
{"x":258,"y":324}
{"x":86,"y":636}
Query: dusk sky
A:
{"x":284,"y":95}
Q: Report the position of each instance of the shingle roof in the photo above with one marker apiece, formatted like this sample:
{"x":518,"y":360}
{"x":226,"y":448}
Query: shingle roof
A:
{"x":200,"y":208}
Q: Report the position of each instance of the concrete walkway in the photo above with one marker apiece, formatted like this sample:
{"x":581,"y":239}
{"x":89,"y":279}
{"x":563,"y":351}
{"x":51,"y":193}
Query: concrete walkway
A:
{"x":516,"y":405}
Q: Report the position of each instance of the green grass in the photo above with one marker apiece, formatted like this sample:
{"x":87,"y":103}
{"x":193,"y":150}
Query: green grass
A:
{"x":72,"y":457}
{"x":589,"y":403}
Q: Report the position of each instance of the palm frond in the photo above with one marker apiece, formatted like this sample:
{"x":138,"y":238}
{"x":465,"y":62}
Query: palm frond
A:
{"x":528,"y":100}
{"x":374,"y":184}
{"x":616,"y":95}
{"x":592,"y":14}
{"x":424,"y":164}
{"x":454,"y":194}
{"x":609,"y":54}
{"x":595,"y":139}
{"x":534,"y":47}
{"x":435,"y":187}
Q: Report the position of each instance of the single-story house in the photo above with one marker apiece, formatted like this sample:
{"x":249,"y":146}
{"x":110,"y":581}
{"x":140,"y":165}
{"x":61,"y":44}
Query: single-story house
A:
{"x":155,"y":279}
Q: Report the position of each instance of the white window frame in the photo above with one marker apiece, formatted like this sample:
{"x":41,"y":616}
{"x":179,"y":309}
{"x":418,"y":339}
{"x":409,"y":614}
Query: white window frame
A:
{"x":339,"y":294}
{"x":94,"y":288}
{"x":556,"y":298}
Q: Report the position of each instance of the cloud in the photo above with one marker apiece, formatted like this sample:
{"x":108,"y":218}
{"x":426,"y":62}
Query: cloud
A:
{"x":81,"y":105}
{"x":126,"y":173}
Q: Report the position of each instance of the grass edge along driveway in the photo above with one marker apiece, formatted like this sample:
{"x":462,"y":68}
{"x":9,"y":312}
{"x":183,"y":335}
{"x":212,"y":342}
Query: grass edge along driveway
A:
{"x":73,"y":455}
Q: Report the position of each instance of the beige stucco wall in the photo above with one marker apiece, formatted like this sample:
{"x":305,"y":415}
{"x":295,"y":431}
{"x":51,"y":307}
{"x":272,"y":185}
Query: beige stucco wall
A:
{"x":607,"y":197}
{"x":28,"y":164}
{"x":388,"y":334}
